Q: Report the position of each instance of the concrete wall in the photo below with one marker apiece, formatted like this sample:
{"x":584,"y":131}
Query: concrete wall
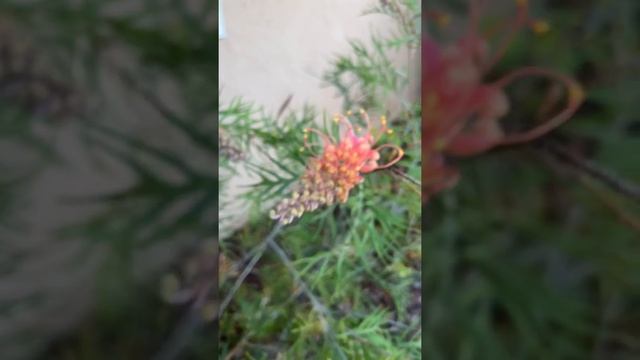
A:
{"x":275,"y":48}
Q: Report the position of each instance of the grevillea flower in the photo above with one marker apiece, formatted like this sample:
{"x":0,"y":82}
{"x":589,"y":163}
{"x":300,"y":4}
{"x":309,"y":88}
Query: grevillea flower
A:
{"x":461,"y":113}
{"x":330,"y":176}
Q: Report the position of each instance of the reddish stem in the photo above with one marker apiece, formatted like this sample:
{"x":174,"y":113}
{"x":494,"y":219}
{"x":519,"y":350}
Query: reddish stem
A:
{"x":575,"y":98}
{"x":399,"y":152}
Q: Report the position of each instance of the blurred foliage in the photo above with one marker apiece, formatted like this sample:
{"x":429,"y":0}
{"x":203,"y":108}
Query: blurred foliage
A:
{"x":88,"y":59}
{"x":529,"y":257}
{"x":347,"y":283}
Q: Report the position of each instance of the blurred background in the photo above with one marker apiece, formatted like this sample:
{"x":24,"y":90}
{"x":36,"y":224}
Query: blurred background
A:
{"x":535,"y":254}
{"x":108,"y":194}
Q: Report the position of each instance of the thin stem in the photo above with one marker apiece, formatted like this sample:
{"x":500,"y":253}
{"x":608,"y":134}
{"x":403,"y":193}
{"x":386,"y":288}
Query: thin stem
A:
{"x":399,"y":152}
{"x":325,"y":138}
{"x":237,"y":349}
{"x":574,"y":100}
{"x":366,"y":118}
{"x":261,"y":249}
{"x":605,"y":176}
{"x":623,"y":215}
{"x":193,"y":319}
{"x":318,"y":306}
{"x":339,"y":118}
{"x":556,"y":159}
{"x":405,"y":177}
{"x":284,"y":106}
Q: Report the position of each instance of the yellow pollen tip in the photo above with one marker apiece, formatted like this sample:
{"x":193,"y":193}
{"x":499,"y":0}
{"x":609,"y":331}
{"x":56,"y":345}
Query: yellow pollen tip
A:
{"x":540,"y":27}
{"x":576,"y":93}
{"x":390,"y":131}
{"x":349,"y":113}
{"x":302,"y":149}
{"x":443,"y":20}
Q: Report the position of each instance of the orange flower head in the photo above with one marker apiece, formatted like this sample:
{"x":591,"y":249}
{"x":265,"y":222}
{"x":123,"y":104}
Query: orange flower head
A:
{"x":330,"y":176}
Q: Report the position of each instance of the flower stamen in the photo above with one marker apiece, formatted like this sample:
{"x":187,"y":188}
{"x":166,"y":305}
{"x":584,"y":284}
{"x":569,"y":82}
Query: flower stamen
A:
{"x":330,"y":176}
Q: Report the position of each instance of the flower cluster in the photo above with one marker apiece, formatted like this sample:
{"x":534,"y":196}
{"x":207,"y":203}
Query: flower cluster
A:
{"x":330,"y":177}
{"x":461,"y":113}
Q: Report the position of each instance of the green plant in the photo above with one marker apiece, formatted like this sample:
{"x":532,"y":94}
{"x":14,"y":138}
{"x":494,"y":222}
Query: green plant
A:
{"x":341,"y":281}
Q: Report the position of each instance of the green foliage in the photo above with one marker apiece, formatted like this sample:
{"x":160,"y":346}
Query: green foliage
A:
{"x":353,"y":288}
{"x":171,"y":194}
{"x":525,"y":258}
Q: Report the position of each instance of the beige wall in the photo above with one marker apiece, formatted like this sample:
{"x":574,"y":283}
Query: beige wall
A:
{"x":279,"y":47}
{"x":275,"y":48}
